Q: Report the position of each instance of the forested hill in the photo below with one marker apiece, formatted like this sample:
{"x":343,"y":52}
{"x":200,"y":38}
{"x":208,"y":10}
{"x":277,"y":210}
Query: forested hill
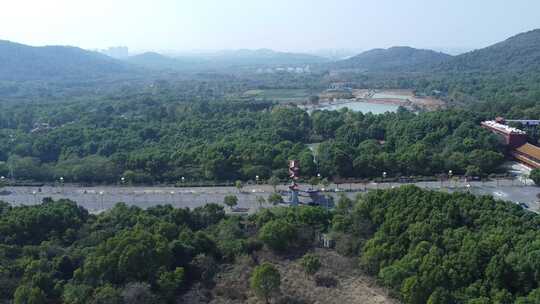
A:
{"x":20,"y":62}
{"x":520,"y":53}
{"x":505,"y":72}
{"x":264,"y":56}
{"x":426,"y":246}
{"x":393,"y":59}
{"x":153,"y":60}
{"x":224,"y":60}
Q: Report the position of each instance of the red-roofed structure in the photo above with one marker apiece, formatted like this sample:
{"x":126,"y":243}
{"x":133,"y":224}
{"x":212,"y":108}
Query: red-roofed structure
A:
{"x":527,"y":154}
{"x":516,"y":139}
{"x":513,"y":137}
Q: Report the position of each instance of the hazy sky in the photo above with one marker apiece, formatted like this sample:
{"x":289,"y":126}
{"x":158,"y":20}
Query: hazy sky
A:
{"x":290,"y":25}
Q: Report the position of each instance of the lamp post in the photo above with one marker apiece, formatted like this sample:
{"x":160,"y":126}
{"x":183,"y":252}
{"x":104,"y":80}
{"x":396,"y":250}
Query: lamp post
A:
{"x":11,"y":173}
{"x":383,"y":177}
{"x":123,"y":180}
{"x":183,"y":179}
{"x":34,"y":193}
{"x":10,"y":163}
{"x":256,"y":179}
{"x":62,"y":184}
{"x":450,"y":173}
{"x":172,"y":197}
{"x":101,"y":193}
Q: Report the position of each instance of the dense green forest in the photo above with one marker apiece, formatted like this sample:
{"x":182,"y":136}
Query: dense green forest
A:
{"x":200,"y":126}
{"x":86,"y":118}
{"x":151,"y":138}
{"x":428,"y":247}
{"x":58,"y":252}
{"x":436,"y":247}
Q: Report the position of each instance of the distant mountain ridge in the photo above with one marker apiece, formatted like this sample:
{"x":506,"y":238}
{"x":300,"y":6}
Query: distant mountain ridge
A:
{"x":153,"y":60}
{"x":19,"y":62}
{"x":394,"y":59}
{"x":518,"y":53}
{"x":224,"y":59}
{"x":272,"y":57}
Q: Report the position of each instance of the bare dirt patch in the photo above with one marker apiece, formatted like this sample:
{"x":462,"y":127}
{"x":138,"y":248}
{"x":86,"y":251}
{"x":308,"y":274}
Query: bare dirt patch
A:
{"x":399,"y":97}
{"x":350,"y":284}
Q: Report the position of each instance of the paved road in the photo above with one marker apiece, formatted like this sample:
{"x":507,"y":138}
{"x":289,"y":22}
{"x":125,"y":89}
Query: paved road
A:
{"x":96,"y":199}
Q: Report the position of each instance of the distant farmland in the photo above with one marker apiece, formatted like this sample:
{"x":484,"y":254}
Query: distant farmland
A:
{"x":280,"y":95}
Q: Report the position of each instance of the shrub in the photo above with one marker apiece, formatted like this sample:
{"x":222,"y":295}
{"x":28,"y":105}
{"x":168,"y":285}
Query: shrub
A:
{"x":230,"y":201}
{"x":265,"y":281}
{"x":535,"y":176}
{"x":310,"y":263}
{"x":278,"y":235}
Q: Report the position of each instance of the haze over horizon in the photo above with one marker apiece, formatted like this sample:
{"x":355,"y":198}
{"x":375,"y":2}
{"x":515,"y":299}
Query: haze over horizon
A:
{"x":167,"y":25}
